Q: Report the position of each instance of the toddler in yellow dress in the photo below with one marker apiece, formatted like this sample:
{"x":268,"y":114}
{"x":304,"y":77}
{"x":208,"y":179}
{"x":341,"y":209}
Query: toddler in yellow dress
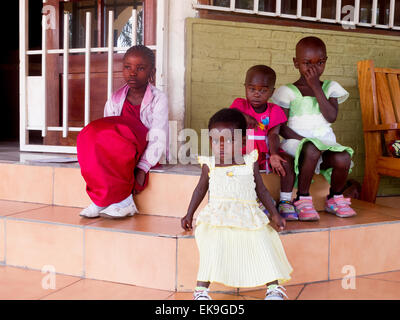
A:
{"x":237,"y":245}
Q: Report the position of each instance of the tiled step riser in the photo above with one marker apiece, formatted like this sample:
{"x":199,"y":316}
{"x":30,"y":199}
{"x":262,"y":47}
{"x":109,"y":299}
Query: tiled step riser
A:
{"x":171,"y":263}
{"x":166,"y":194}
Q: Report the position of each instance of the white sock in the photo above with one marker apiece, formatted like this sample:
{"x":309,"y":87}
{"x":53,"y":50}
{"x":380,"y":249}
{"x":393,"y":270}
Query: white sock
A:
{"x":286,"y":196}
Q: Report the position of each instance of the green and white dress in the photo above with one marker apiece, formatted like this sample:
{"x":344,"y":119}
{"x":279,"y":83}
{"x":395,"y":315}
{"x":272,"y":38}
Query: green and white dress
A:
{"x":306,"y":119}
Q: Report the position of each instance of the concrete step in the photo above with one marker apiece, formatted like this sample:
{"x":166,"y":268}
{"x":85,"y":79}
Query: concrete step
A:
{"x":168,"y":193}
{"x":153,"y":251}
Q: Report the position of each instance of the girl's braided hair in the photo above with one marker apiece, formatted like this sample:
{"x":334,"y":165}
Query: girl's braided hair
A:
{"x":144,"y":52}
{"x":232,"y":116}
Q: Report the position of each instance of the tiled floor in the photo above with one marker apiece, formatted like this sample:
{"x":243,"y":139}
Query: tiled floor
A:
{"x":393,"y":201}
{"x":17,"y":283}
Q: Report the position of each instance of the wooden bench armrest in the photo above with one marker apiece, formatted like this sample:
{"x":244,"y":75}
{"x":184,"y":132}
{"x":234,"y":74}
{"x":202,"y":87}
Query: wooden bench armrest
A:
{"x":382,"y":127}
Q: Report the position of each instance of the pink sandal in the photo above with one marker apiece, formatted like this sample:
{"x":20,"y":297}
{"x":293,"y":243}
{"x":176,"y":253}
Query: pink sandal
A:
{"x":339,"y":206}
{"x":305,"y":209}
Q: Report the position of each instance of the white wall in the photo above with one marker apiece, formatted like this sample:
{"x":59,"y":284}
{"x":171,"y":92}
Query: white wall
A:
{"x":179,"y":10}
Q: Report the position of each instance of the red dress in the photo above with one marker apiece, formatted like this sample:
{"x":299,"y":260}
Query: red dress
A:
{"x":258,"y":138}
{"x":108,"y":152}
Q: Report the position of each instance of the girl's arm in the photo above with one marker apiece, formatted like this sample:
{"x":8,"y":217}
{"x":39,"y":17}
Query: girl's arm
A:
{"x":274,"y":144}
{"x":329,"y":108}
{"x":198,"y":195}
{"x":266,"y":199}
{"x":157,"y":135}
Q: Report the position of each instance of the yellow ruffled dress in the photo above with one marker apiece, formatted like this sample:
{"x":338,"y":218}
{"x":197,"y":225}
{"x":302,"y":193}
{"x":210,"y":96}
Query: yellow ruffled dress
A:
{"x":237,"y":245}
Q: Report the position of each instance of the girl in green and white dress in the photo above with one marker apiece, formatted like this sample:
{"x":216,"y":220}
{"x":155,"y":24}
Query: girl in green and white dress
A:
{"x":312,"y":106}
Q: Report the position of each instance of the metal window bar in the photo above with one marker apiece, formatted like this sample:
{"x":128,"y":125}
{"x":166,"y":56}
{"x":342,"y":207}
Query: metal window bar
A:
{"x":160,"y":48}
{"x":65,"y":76}
{"x":44,"y":63}
{"x":318,"y":13}
{"x":88,"y":40}
{"x":110,"y":54}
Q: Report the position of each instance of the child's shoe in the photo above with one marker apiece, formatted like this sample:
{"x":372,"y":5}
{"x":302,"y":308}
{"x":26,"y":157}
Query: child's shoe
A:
{"x":201,"y":295}
{"x":275,"y":292}
{"x":287,"y":210}
{"x":339,"y":206}
{"x":92,"y":211}
{"x":305,"y":209}
{"x":125,"y":208}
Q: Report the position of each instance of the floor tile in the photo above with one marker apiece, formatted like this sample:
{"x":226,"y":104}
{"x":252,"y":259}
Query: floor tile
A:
{"x":134,"y":259}
{"x":87,"y":289}
{"x":291,"y":291}
{"x":173,"y":192}
{"x":56,"y":214}
{"x":64,"y":194}
{"x":367,"y":249}
{"x":2,"y":240}
{"x":377,"y":208}
{"x":22,"y":284}
{"x":389,"y":276}
{"x":364,"y":289}
{"x":393,"y":202}
{"x":308,"y":254}
{"x":157,"y":225}
{"x":365,"y":215}
{"x":187,"y":264}
{"x":37,"y":183}
{"x":214,"y":296}
{"x":8,"y":208}
{"x":34,"y":245}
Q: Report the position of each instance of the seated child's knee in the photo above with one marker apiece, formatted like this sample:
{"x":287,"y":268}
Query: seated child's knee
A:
{"x":289,"y":164}
{"x":342,"y":160}
{"x":310,"y":151}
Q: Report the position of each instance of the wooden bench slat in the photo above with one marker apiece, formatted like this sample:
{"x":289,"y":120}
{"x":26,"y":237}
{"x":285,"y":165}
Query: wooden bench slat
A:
{"x":382,"y":127}
{"x":380,"y":108}
{"x":368,"y":96}
{"x":395,"y":90}
{"x":387,"y":70}
{"x":389,"y":166}
{"x":385,"y":105}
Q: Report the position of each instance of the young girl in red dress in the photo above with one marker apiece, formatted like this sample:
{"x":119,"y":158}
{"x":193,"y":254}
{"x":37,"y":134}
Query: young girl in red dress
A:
{"x":264,"y":120}
{"x":114,"y":153}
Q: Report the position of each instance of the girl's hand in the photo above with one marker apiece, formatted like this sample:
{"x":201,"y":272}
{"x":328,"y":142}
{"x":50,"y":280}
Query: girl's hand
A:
{"x":276,"y":164}
{"x":140,"y":176}
{"x":312,"y":78}
{"x":186,"y":222}
{"x":279,"y":220}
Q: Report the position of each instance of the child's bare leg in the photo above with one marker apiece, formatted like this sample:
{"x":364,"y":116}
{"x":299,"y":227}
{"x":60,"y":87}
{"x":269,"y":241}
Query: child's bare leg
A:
{"x":335,"y":202}
{"x":273,"y":282}
{"x":340,"y":162}
{"x":201,"y":291}
{"x":285,"y":206}
{"x":275,"y":291}
{"x":201,"y":284}
{"x":287,"y":181}
{"x":308,"y":161}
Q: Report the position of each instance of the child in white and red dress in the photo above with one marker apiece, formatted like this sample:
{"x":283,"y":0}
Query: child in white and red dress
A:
{"x":264,"y":120}
{"x":113,"y":152}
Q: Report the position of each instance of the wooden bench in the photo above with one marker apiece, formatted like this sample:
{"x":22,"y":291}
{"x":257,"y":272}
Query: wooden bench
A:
{"x":380,"y":106}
